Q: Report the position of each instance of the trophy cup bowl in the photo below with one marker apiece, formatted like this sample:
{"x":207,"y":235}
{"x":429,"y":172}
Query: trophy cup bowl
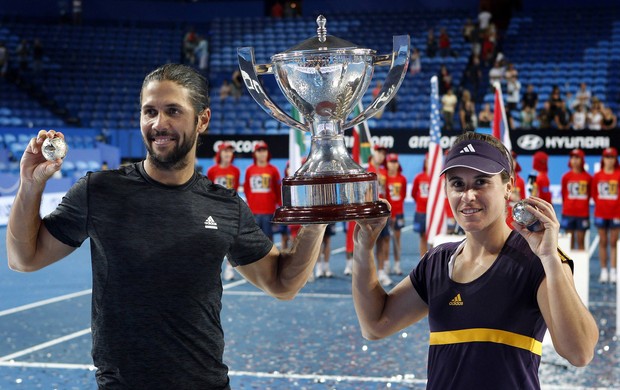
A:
{"x":324,"y":78}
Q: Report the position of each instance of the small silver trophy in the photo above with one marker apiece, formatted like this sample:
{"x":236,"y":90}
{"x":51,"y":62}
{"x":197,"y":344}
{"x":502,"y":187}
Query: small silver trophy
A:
{"x":324,"y":78}
{"x":525,"y":218}
{"x":54,"y":148}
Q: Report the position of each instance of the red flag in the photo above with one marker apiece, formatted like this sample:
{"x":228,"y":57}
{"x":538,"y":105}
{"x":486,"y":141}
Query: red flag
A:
{"x":435,"y":210}
{"x":500,"y":124}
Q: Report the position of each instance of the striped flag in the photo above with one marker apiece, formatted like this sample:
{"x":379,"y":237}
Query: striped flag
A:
{"x":500,"y":123}
{"x":435,"y":210}
{"x":296,"y":145}
{"x":362,"y":143}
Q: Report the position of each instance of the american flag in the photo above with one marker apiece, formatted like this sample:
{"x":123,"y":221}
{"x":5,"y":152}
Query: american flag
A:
{"x":500,"y":124}
{"x":435,"y":212}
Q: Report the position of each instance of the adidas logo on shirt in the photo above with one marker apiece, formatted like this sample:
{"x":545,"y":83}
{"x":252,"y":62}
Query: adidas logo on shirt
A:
{"x":210,"y":223}
{"x":456,"y":301}
{"x":468,"y":149}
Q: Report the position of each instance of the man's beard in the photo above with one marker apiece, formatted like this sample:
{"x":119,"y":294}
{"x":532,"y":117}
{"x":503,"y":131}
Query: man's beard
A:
{"x":175,"y":160}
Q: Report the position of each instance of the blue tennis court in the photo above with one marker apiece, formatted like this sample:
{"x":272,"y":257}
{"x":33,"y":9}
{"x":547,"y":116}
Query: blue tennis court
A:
{"x":311,"y":342}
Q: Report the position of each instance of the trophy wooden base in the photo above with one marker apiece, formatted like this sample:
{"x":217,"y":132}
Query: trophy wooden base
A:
{"x":291,"y":215}
{"x":329,"y":199}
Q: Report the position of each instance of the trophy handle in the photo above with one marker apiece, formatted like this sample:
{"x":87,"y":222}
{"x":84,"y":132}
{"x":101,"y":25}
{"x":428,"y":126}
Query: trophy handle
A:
{"x":250,"y":78}
{"x":399,"y":60}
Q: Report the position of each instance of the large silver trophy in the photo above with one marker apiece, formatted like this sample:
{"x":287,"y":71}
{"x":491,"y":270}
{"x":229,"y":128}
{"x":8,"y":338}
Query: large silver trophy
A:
{"x":324,"y":78}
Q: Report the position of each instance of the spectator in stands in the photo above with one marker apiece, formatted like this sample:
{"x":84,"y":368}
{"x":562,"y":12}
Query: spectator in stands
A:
{"x":431,"y":44}
{"x":201,"y":53}
{"x":448,"y":106}
{"x":224,"y":173}
{"x":579,"y":117}
{"x":225,"y":90}
{"x":511,"y":72}
{"x":292,"y":9}
{"x":496,"y":74}
{"x":484,"y":19}
{"x":485,"y":117}
{"x":237,"y":84}
{"x":467,"y":112}
{"x":545,"y":116}
{"x":576,"y":189}
{"x":262,"y":188}
{"x":77,"y":12}
{"x":444,"y":42}
{"x":571,"y":101}
{"x":477,"y":37}
{"x":584,"y":96}
{"x":396,"y":194}
{"x":513,"y":95}
{"x":489,"y":42}
{"x":492,"y":268}
{"x":415,"y":64}
{"x":527,"y":117}
{"x":609,"y":121}
{"x":606,"y":212}
{"x":23,"y":55}
{"x":419,"y":193}
{"x":277,"y":10}
{"x":190,"y":41}
{"x":377,"y":165}
{"x":530,"y":98}
{"x":595,"y":115}
{"x":444,"y":80}
{"x":4,"y":59}
{"x":473,"y":75}
{"x":555,"y":100}
{"x":468,"y":30}
{"x":561,"y":120}
{"x":37,"y":56}
{"x":158,"y":234}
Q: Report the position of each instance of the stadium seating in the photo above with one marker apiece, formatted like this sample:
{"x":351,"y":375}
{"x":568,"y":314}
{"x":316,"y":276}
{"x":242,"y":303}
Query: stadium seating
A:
{"x":92,"y":72}
{"x":565,"y":46}
{"x":270,"y":36}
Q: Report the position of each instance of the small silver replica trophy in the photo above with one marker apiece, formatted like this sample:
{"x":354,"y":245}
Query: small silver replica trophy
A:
{"x":54,"y":148}
{"x":525,"y":218}
{"x":324,"y":78}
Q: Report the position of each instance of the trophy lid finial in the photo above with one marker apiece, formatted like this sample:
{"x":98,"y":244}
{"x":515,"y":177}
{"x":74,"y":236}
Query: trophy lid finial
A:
{"x":321,"y":31}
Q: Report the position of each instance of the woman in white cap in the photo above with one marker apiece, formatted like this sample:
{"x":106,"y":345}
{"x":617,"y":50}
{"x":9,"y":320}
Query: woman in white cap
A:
{"x":489,"y":298}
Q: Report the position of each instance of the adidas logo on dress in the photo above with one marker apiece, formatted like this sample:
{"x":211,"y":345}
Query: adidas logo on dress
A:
{"x":210,"y":223}
{"x":468,"y":149}
{"x":456,"y":301}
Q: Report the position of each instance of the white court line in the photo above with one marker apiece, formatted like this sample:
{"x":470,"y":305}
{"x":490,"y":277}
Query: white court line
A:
{"x":234,"y":284}
{"x":593,"y":246}
{"x":45,"y":345}
{"x":338,"y":378}
{"x":64,"y":366}
{"x":44,"y":302}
